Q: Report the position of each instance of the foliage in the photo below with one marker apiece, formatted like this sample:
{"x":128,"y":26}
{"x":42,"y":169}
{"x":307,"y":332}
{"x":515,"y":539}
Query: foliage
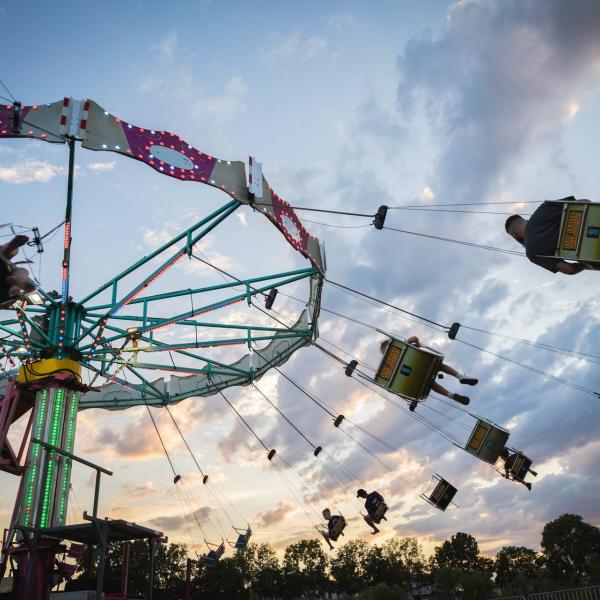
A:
{"x":515,"y":566}
{"x":383,"y":591}
{"x":568,"y":543}
{"x":304,"y":568}
{"x":456,"y":571}
{"x":461,"y":552}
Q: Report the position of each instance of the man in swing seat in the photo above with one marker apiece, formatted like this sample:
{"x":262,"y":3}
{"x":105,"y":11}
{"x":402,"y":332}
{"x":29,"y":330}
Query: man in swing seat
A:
{"x":372,"y":503}
{"x":540,"y":236}
{"x":509,"y":459}
{"x":444,"y":368}
{"x":334,"y":527}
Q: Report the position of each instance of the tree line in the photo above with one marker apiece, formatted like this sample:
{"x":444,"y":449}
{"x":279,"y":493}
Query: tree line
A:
{"x":394,"y":570}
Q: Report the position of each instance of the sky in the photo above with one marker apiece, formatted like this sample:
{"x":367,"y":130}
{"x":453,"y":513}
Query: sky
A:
{"x":348,"y":106}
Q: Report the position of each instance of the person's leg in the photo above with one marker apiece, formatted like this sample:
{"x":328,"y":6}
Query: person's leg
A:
{"x":464,"y":379}
{"x":371,"y":523}
{"x":436,"y":387}
{"x":326,"y":536}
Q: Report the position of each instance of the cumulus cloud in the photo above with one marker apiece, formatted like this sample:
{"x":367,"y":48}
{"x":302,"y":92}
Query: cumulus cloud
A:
{"x":275,"y":515}
{"x":102,"y":166}
{"x":498,"y":80}
{"x":226,"y":106}
{"x":29,"y":171}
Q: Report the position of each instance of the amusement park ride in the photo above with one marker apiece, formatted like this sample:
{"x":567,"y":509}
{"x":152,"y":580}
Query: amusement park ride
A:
{"x":59,"y":338}
{"x":64,"y":355}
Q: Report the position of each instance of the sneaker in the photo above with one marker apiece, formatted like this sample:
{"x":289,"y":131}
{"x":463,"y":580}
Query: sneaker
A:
{"x":413,"y":405}
{"x":527,"y":485}
{"x":461,"y":399}
{"x":469,"y":380}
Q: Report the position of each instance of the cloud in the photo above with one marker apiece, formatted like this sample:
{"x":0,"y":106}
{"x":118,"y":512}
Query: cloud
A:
{"x":167,"y":47}
{"x":284,"y":47}
{"x":224,"y":107}
{"x":339,"y":21}
{"x":30,"y":170}
{"x":500,"y":79}
{"x":275,"y":515}
{"x":102,"y":166}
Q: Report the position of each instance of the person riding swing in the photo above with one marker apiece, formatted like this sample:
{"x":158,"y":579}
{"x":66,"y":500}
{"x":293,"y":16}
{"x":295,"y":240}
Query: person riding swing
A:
{"x":375,"y":507}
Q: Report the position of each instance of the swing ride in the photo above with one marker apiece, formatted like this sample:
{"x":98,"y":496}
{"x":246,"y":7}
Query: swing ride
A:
{"x":64,"y":355}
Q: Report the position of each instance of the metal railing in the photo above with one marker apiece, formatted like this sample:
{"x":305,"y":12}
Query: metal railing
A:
{"x":581,"y":593}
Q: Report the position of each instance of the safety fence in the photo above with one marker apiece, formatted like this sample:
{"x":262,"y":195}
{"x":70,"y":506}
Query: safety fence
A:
{"x":582,"y":593}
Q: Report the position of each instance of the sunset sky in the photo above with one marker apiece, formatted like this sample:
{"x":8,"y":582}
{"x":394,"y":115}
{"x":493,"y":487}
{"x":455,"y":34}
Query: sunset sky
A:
{"x":349,"y":106}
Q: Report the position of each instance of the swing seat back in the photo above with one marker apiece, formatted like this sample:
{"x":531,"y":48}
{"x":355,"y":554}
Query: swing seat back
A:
{"x":379,"y":512}
{"x":243,"y":538}
{"x":520,"y":466}
{"x":487,"y":440}
{"x":338,"y":529}
{"x":442,"y":494}
{"x":408,"y":370}
{"x":579,"y":237}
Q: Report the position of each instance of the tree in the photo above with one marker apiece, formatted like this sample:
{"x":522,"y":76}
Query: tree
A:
{"x":383,"y":591}
{"x":461,"y":552}
{"x":476,"y":585}
{"x":304,"y":568}
{"x":568,"y":544}
{"x":225,"y":580}
{"x":446,"y":583}
{"x":349,"y":567}
{"x":514,"y":565}
{"x":265,"y":572}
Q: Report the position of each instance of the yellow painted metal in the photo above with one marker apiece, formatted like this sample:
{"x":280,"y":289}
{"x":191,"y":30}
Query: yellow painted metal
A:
{"x":580,"y":232}
{"x":408,"y":370}
{"x":487,"y":440}
{"x":45,"y":368}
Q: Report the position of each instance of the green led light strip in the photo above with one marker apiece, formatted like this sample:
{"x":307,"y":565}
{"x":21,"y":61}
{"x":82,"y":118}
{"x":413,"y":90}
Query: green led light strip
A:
{"x":34,"y":455}
{"x":66,"y":475}
{"x":57,"y":415}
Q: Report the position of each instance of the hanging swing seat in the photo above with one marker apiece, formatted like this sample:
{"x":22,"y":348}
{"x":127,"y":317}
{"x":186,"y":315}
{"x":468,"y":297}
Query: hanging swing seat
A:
{"x":408,"y":370}
{"x":243,"y":538}
{"x":213,"y":555}
{"x":579,"y":237}
{"x":338,"y":529}
{"x":487,"y":440}
{"x":378,"y":514}
{"x":442,"y":493}
{"x":519,"y":467}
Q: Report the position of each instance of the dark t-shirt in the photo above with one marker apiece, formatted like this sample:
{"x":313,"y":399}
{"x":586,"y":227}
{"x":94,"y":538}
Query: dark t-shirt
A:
{"x":542,"y":231}
{"x":333,"y":522}
{"x":372,"y":501}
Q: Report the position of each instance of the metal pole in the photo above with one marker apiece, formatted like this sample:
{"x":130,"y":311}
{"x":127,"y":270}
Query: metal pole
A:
{"x":126,"y":550}
{"x":96,"y":495}
{"x":152,"y":545}
{"x":187,"y":590}
{"x":101,"y":559}
{"x":68,"y":211}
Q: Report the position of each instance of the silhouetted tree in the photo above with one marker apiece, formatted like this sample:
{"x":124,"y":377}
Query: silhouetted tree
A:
{"x":515,"y":566}
{"x":568,"y":544}
{"x":349,"y":567}
{"x":304,"y":568}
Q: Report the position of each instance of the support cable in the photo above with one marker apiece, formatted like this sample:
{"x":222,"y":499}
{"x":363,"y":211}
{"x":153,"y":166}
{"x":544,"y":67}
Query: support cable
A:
{"x":453,"y":241}
{"x":289,"y":421}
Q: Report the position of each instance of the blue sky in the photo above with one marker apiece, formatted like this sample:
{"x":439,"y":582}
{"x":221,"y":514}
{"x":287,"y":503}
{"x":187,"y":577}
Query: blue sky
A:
{"x":348,"y":107}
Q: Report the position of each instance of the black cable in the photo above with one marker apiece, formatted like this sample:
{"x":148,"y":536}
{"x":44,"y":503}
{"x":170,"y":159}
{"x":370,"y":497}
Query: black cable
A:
{"x":7,"y":90}
{"x":462,"y":204}
{"x":470,"y":244}
{"x":443,"y":210}
{"x":337,"y":226}
{"x":184,"y":439}
{"x":323,"y":210}
{"x":349,"y":289}
{"x":244,"y":421}
{"x":283,"y":415}
{"x":534,"y":370}
{"x":160,"y":437}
